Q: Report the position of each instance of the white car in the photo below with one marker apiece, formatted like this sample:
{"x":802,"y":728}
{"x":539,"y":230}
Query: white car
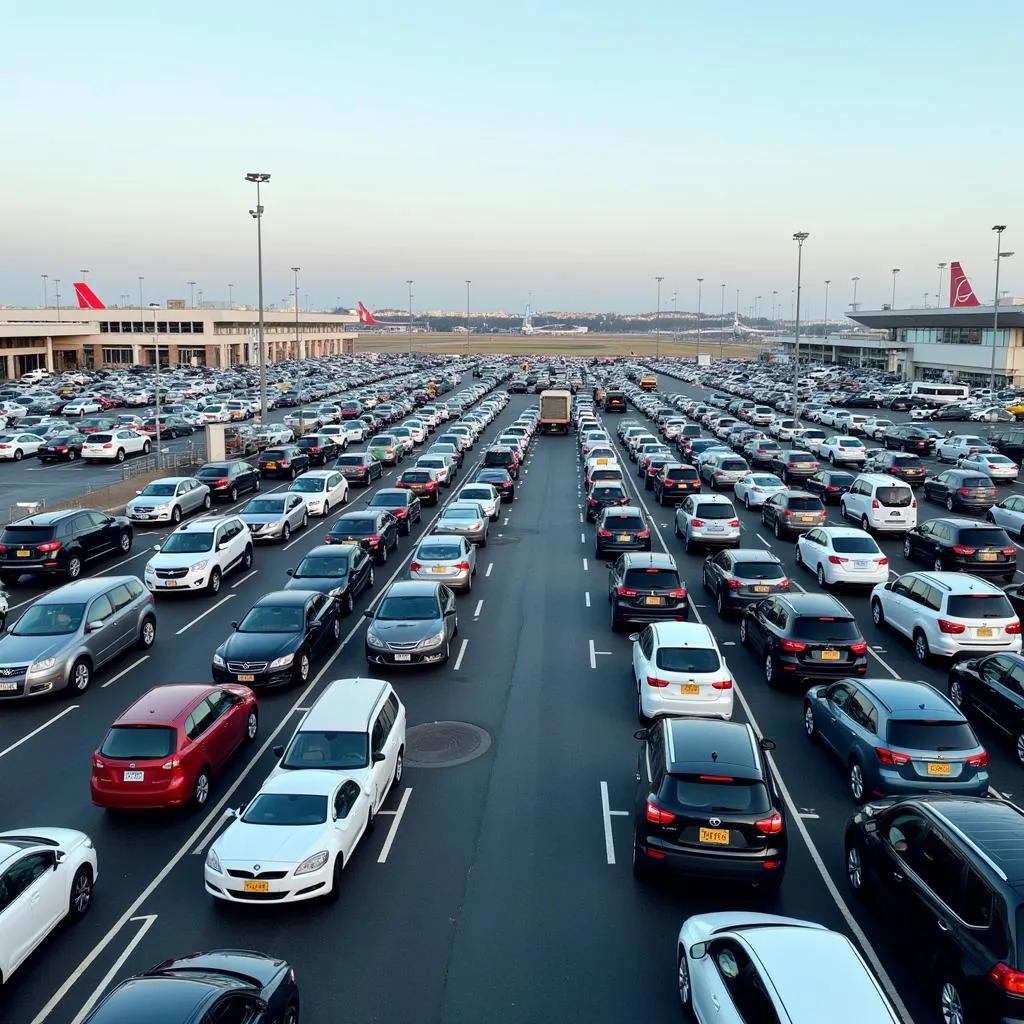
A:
{"x":46,"y":875}
{"x":354,"y":431}
{"x":323,"y":490}
{"x":440,"y":464}
{"x":830,"y":417}
{"x":115,"y":445}
{"x":199,"y":554}
{"x":839,"y":450}
{"x":338,"y":432}
{"x":756,"y":488}
{"x":301,"y":829}
{"x":993,"y":414}
{"x":782,"y":429}
{"x":485,"y":495}
{"x":949,"y":449}
{"x":876,"y":427}
{"x":82,"y":407}
{"x":12,"y":411}
{"x":922,"y":412}
{"x":842,"y":554}
{"x":679,"y":670}
{"x":733,"y":962}
{"x":17,"y":446}
{"x":992,"y":464}
{"x":216,"y":414}
{"x":274,"y":434}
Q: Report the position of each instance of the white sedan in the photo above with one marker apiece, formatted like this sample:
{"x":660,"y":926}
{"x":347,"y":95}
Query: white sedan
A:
{"x":875,"y":427}
{"x":274,"y":434}
{"x":842,"y":554}
{"x":992,"y":464}
{"x":322,"y":489}
{"x":17,"y":446}
{"x":950,"y":449}
{"x":82,"y":407}
{"x":756,"y":488}
{"x":115,"y":445}
{"x":300,"y":830}
{"x":47,"y":875}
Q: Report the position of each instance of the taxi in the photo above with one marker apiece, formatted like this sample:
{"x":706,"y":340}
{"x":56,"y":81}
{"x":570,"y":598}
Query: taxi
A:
{"x":599,"y":462}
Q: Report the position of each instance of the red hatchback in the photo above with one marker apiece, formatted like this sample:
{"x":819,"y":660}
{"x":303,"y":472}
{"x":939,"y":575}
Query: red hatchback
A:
{"x":163,"y":750}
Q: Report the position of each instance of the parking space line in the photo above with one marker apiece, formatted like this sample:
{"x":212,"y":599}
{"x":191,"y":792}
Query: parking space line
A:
{"x":393,"y":831}
{"x":462,"y":654}
{"x":238,"y":583}
{"x":124,"y":671}
{"x":212,"y":608}
{"x":490,"y":566}
{"x":606,"y":816}
{"x":38,"y":729}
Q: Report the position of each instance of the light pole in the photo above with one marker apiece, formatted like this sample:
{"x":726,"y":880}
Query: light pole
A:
{"x":142,"y":322}
{"x":259,"y":178}
{"x":827,"y":283}
{"x":853,"y":305}
{"x":231,"y":304}
{"x":938,"y":294}
{"x":895,"y":271}
{"x":775,"y":299}
{"x":46,"y":300}
{"x":298,"y":349}
{"x":85,"y":275}
{"x":409,"y":283}
{"x":800,"y":237}
{"x":200,"y":298}
{"x":56,"y":289}
{"x":468,"y":283}
{"x":191,"y":294}
{"x":700,"y":285}
{"x":675,"y":318}
{"x":657,"y":320}
{"x":156,"y":350}
{"x":998,"y":229}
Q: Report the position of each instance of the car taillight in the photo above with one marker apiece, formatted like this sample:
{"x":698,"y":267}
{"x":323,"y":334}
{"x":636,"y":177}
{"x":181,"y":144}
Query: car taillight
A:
{"x":860,"y":647}
{"x":734,"y":522}
{"x":625,"y":592}
{"x":960,"y":549}
{"x":735,"y":584}
{"x":415,"y":566}
{"x":1013,"y":627}
{"x":171,"y":765}
{"x":832,"y":487}
{"x":946,"y":626}
{"x":1009,"y":551}
{"x":604,"y":533}
{"x":770,"y":825}
{"x":891,"y":758}
{"x":50,"y":545}
{"x":978,"y":760}
{"x":1007,"y":979}
{"x":593,"y":501}
{"x":643,"y":534}
{"x":836,"y":560}
{"x":374,"y":538}
{"x":794,"y":646}
{"x":328,"y":539}
{"x":221,"y":483}
{"x":882,"y":561}
{"x":658,"y":815}
{"x":62,"y":447}
{"x":722,"y":684}
{"x":679,"y":594}
{"x":875,"y":503}
{"x":108,"y":445}
{"x":696,"y":522}
{"x":964,"y":491}
{"x":790,"y":512}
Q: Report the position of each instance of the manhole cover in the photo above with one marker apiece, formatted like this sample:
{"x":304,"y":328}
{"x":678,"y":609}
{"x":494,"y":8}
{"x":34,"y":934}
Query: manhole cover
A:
{"x":443,"y":744}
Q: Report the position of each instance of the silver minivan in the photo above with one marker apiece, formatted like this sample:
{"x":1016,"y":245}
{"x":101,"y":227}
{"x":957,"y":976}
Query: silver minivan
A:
{"x":66,"y":635}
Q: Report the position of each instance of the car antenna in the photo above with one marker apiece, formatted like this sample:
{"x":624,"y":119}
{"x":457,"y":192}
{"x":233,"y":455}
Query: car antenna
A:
{"x":714,"y":755}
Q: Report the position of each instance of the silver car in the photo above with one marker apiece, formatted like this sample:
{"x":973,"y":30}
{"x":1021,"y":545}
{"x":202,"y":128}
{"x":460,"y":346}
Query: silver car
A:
{"x":465,"y":518}
{"x":168,"y":499}
{"x":274,"y":516}
{"x":485,"y":496}
{"x":66,"y":635}
{"x":756,"y":488}
{"x":707,"y":520}
{"x":448,"y":559}
{"x":441,"y":464}
{"x":1009,"y":514}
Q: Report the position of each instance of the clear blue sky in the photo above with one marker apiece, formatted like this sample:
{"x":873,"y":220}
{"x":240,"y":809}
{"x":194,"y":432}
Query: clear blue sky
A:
{"x":570,"y":150}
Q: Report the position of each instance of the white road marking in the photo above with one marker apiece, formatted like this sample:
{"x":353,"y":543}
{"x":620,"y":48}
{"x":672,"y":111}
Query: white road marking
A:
{"x":478,"y":609}
{"x":238,"y":583}
{"x":593,"y":655}
{"x":38,"y":729}
{"x":393,"y":831}
{"x":207,"y":839}
{"x":807,"y":815}
{"x":292,"y":543}
{"x":125,"y":671}
{"x":586,"y":566}
{"x":583,"y":538}
{"x":606,"y":815}
{"x":212,"y":608}
{"x":762,"y":540}
{"x":462,"y":654}
{"x":505,"y":523}
{"x":490,"y":566}
{"x":586,"y":597}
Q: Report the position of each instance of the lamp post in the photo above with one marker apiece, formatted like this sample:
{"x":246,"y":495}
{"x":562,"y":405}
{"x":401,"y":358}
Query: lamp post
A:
{"x":156,"y":350}
{"x":142,"y":322}
{"x":657,"y":320}
{"x":998,"y":229}
{"x":259,"y":178}
{"x":938,"y":294}
{"x":721,"y":333}
{"x":409,"y":285}
{"x":895,"y":271}
{"x":827,"y":283}
{"x":700,"y":285}
{"x":468,"y":283}
{"x":775,"y":299}
{"x":799,"y":237}
{"x":231,"y":304}
{"x":675,"y":318}
{"x":85,"y":275}
{"x":46,"y":301}
{"x":853,"y":305}
{"x":298,"y":344}
{"x":56,"y":289}
{"x":191,"y":294}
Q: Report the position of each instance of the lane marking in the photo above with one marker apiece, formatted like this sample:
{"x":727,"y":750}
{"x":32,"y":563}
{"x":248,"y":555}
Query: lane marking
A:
{"x":38,"y":729}
{"x":238,"y":583}
{"x":301,"y":534}
{"x":462,"y":654}
{"x":583,"y":538}
{"x":586,"y":597}
{"x":586,"y":565}
{"x":124,"y":671}
{"x":606,"y":817}
{"x":490,"y":566}
{"x":393,"y":831}
{"x":212,"y":608}
{"x":478,"y":609}
{"x":593,"y":655}
{"x":212,"y":834}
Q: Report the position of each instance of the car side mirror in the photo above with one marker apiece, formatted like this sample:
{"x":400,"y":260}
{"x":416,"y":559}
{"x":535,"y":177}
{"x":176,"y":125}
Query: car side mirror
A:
{"x":59,"y":858}
{"x":368,"y":614}
{"x":94,"y":625}
{"x":289,"y":572}
{"x":887,"y":586}
{"x":277,"y":751}
{"x":138,"y":492}
{"x":234,"y":625}
{"x":640,"y":734}
{"x":634,"y":637}
{"x":378,"y":756}
{"x":767,"y":744}
{"x":698,"y":951}
{"x":156,"y":547}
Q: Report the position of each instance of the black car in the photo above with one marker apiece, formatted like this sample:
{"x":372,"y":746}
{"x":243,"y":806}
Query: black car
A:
{"x":952,"y":413}
{"x":698,"y":446}
{"x":374,"y":530}
{"x":708,"y":804}
{"x":793,"y":465}
{"x":229,"y":479}
{"x":804,"y":636}
{"x":829,"y":485}
{"x":402,"y":503}
{"x":359,"y":468}
{"x":501,"y":457}
{"x":903,"y":465}
{"x":992,"y":687}
{"x":61,"y":543}
{"x":622,"y":528}
{"x":944,"y":871}
{"x":61,"y":448}
{"x":276,"y":641}
{"x":962,"y":545}
{"x":674,"y":480}
{"x":500,"y":480}
{"x":789,"y":512}
{"x":320,"y":448}
{"x":907,"y":438}
{"x":604,"y":495}
{"x":284,"y":460}
{"x":1008,"y":441}
{"x":646,"y":588}
{"x":615,"y":401}
{"x":738,"y":576}
{"x":223,"y":985}
{"x":343,"y":571}
{"x":961,"y":489}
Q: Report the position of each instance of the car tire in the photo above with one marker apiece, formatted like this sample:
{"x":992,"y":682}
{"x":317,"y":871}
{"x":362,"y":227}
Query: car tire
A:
{"x":370,"y":579}
{"x":120,"y":455}
{"x":908,"y":551}
{"x":856,"y":869}
{"x":207,"y":503}
{"x":80,"y":897}
{"x":720,"y":605}
{"x":949,"y":503}
{"x":822,"y":581}
{"x":771,"y":677}
{"x":953,"y":1003}
{"x":347,"y":604}
{"x":175,"y":515}
{"x":810,"y":725}
{"x":855,"y":781}
{"x":201,"y":788}
{"x":939,"y":457}
{"x":147,"y":633}
{"x":286,"y":533}
{"x":744,"y":636}
{"x":877,"y":614}
{"x":302,"y":669}
{"x":146,"y":447}
{"x":921,"y":650}
{"x":81,"y":677}
{"x":74,"y":567}
{"x":233,"y":494}
{"x":684,"y":984}
{"x":778,"y":530}
{"x":746,"y":502}
{"x":864,"y":524}
{"x":641,"y":869}
{"x":336,"y":631}
{"x":384,"y":553}
{"x":213,"y":584}
{"x":327,"y":509}
{"x":257,"y":484}
{"x":678,"y":532}
{"x":72,"y":455}
{"x":125,"y":542}
{"x":614,"y":621}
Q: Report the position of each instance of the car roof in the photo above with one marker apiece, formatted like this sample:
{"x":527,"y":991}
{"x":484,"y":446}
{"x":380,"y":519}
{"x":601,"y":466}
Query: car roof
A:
{"x":714,"y":499}
{"x":648,"y":559}
{"x":683,"y":634}
{"x":622,"y":510}
{"x":318,"y":473}
{"x":163,"y":704}
{"x":404,"y":588}
{"x":284,"y":598}
{"x":842,"y":531}
{"x":912,"y":695}
{"x":994,"y":828}
{"x":956,"y":582}
{"x":696,"y":745}
{"x":816,"y":604}
{"x":83,"y":590}
{"x":754,"y":555}
{"x":164,"y":999}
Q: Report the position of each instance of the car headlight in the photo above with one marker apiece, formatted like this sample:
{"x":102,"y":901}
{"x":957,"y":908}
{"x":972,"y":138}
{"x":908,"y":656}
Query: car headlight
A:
{"x":283,"y":662}
{"x":218,"y":661}
{"x":314,"y":863}
{"x":200,"y":565}
{"x":162,"y":508}
{"x":430,"y":641}
{"x":373,"y":641}
{"x":213,"y":861}
{"x":42,"y":665}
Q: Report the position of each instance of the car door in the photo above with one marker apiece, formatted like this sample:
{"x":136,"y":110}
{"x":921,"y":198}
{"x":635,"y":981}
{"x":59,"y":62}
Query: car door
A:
{"x":994,"y":694}
{"x":32,"y":901}
{"x":319,"y":612}
{"x":337,"y":488}
{"x":921,"y":540}
{"x":229,"y":724}
{"x":815,"y":549}
{"x":616,"y":570}
{"x":351,"y":812}
{"x":125,"y":622}
{"x":102,"y":638}
{"x":899,"y":607}
{"x":643,"y":649}
{"x":199,"y":732}
{"x":772,"y":508}
{"x":294,"y":510}
{"x":447,"y":599}
{"x":381,"y":772}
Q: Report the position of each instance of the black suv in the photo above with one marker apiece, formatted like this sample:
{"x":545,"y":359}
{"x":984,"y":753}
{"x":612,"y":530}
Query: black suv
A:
{"x":962,"y":545}
{"x":622,"y":528}
{"x":948,"y":871}
{"x":992,"y":687}
{"x":903,"y":465}
{"x":373,"y":529}
{"x":906,"y":438}
{"x":286,"y":460}
{"x":60,"y":543}
{"x":320,"y":448}
{"x":1008,"y":441}
{"x":646,"y":588}
{"x":708,"y":804}
{"x":829,"y":485}
{"x":615,"y":401}
{"x":804,"y":636}
{"x":501,"y":457}
{"x":602,"y":495}
{"x":229,"y":479}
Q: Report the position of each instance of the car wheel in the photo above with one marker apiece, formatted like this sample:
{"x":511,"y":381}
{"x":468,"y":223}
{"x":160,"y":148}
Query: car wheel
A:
{"x":207,"y":503}
{"x":147,"y":633}
{"x":810,"y":726}
{"x":952,"y":1006}
{"x":778,"y":530}
{"x":80,"y":898}
{"x":286,"y":532}
{"x":615,"y":623}
{"x":72,"y":455}
{"x":822,"y":582}
{"x":744,"y":636}
{"x":678,"y":532}
{"x":370,"y":579}
{"x":201,"y":788}
{"x":145,"y":447}
{"x":720,"y":605}
{"x":347,"y":604}
{"x":327,"y":509}
{"x":384,"y":552}
{"x":746,"y":502}
{"x":683,"y":984}
{"x":233,"y":494}
{"x":939,"y":457}
{"x":213,"y":586}
{"x":856,"y":871}
{"x":949,"y":503}
{"x":74,"y":568}
{"x":864,"y":524}
{"x":125,"y":542}
{"x":176,"y":515}
{"x":855,"y":780}
{"x":120,"y":455}
{"x":877,"y":615}
{"x":302,"y":668}
{"x":336,"y":879}
{"x":921,"y":649}
{"x":336,"y":630}
{"x":907,"y":549}
{"x":257,"y":484}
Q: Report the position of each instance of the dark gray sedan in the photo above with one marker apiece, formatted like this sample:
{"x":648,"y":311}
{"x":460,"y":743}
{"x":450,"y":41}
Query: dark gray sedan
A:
{"x":414,"y":624}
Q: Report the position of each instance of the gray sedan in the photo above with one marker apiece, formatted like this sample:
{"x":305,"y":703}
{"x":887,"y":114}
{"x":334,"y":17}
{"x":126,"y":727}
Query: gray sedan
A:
{"x":486,"y":496}
{"x":168,"y":499}
{"x":413,"y":624}
{"x":465,"y":518}
{"x":274,"y":516}
{"x":1009,"y":514}
{"x":448,"y":559}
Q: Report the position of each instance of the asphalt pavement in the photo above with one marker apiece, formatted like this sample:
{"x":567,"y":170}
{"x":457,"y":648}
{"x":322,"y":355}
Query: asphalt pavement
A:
{"x":499,"y":889}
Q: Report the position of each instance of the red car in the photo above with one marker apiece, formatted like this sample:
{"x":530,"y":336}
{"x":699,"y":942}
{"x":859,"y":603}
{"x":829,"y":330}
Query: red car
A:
{"x":163,"y":750}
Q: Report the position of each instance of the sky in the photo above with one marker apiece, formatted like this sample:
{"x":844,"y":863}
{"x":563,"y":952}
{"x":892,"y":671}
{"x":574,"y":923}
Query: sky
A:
{"x":567,"y":153}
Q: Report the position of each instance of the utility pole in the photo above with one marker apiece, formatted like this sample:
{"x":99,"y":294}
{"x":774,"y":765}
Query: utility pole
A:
{"x":657,"y":319}
{"x":700,"y":284}
{"x":800,"y":237}
{"x":409,"y":283}
{"x":299,"y":354}
{"x":258,"y":178}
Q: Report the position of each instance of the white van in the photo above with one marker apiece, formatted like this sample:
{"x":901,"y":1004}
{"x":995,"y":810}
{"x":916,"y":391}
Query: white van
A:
{"x":879,"y":502}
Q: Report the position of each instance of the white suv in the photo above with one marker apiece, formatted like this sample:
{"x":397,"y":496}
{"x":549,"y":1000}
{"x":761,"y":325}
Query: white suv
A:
{"x":199,"y":554}
{"x":708,"y":520}
{"x":947,"y":614}
{"x":952,"y":448}
{"x":879,"y":502}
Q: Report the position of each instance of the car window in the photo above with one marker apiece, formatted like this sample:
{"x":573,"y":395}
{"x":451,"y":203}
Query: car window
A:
{"x":903,"y":585}
{"x":200,"y":720}
{"x":19,"y":876}
{"x":939,"y":867}
{"x":120,"y":597}
{"x":745,"y":986}
{"x":100,"y":609}
{"x":221,"y":702}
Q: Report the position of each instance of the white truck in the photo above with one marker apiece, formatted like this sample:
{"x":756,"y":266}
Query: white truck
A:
{"x":555,"y":409}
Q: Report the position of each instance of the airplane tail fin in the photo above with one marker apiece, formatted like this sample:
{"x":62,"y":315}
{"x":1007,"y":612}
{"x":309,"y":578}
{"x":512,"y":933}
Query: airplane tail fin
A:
{"x":366,"y":317}
{"x":960,"y":291}
{"x":87,"y":298}
{"x":527,"y":323}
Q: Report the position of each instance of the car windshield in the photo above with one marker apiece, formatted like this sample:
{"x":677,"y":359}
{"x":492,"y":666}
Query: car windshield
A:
{"x":439,"y":552}
{"x":823,"y":629}
{"x":930,"y":735}
{"x":799,"y":458}
{"x":350,"y":460}
{"x":216,"y":470}
{"x":895,"y":497}
{"x":411,"y":476}
{"x":461,"y":513}
{"x":43,"y":619}
{"x":717,"y":510}
{"x":309,"y":484}
{"x":269,"y":618}
{"x":906,"y":460}
{"x":758,"y":571}
{"x":399,"y":608}
{"x":265,"y":506}
{"x":797,"y":504}
{"x":714,"y":793}
{"x":159,"y":490}
{"x":761,"y":480}
{"x":688,"y":659}
{"x":607,"y":492}
{"x":322,"y":567}
{"x":187,"y":543}
{"x":286,"y":809}
{"x":855,"y":545}
{"x":136,"y":743}
{"x":979,"y":606}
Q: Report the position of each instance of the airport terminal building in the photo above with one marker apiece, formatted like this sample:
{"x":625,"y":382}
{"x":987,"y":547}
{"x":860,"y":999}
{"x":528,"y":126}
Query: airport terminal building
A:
{"x":87,"y":339}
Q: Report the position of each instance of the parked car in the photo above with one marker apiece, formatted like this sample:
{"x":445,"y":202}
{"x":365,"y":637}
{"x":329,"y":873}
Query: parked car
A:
{"x":169,"y":499}
{"x":962,"y":545}
{"x":229,"y":479}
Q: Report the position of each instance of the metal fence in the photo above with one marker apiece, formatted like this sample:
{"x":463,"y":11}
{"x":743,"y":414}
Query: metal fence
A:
{"x":189,"y":457}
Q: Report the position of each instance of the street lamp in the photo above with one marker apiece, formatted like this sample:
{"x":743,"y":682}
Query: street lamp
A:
{"x":409,"y":283}
{"x":938,"y":294}
{"x":56,"y":288}
{"x":298,"y":349}
{"x":259,"y":178}
{"x":827,"y":283}
{"x":998,"y":229}
{"x":799,"y":237}
{"x":700,"y":285}
{"x":191,"y":294}
{"x":156,"y":349}
{"x":853,"y":305}
{"x":142,"y":322}
{"x":230,"y":302}
{"x":721,"y":333}
{"x":657,"y":320}
{"x":468,"y":283}
{"x":895,"y":271}
{"x":675,"y":318}
{"x":46,"y":301}
{"x":775,"y":299}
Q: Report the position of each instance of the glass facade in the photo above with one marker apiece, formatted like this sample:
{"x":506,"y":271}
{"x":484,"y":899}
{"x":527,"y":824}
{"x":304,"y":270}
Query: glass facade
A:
{"x":952,"y":336}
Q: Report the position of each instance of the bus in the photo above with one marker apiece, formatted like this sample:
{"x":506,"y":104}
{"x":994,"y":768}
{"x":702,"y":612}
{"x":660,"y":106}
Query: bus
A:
{"x":938,"y":394}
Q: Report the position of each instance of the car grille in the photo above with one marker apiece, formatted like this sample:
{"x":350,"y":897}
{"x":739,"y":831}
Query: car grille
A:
{"x":249,"y":667}
{"x":260,"y":874}
{"x":240,"y":894}
{"x":9,"y":673}
{"x":404,"y":647}
{"x":171,"y":574}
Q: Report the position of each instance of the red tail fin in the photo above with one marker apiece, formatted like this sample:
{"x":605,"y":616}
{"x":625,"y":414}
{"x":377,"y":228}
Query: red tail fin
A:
{"x":87,"y":298}
{"x":960,"y":291}
{"x":366,"y":317}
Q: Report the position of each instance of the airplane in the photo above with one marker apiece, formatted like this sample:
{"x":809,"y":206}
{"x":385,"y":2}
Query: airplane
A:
{"x":960,"y":291}
{"x":87,"y":298}
{"x":528,"y":327}
{"x":736,"y":328}
{"x":367,"y":319}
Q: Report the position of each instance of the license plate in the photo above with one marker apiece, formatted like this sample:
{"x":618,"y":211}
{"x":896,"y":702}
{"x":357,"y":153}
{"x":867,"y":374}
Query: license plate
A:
{"x":895,"y":515}
{"x":761,"y":589}
{"x":271,"y":465}
{"x":830,"y":655}
{"x":623,"y":537}
{"x":439,"y":569}
{"x":938,"y":769}
{"x":808,"y":519}
{"x":403,"y":657}
{"x":983,"y":632}
{"x":24,"y":553}
{"x":860,"y":564}
{"x":717,"y":836}
{"x":716,"y":529}
{"x":246,"y":678}
{"x":8,"y":687}
{"x":654,"y":600}
{"x":253,"y":885}
{"x":988,"y":556}
{"x":170,"y":583}
{"x":690,"y":689}
{"x":134,"y":776}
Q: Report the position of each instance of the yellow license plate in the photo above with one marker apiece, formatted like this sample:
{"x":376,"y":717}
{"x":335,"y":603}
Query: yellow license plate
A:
{"x":252,"y":885}
{"x":623,"y":537}
{"x":938,"y":769}
{"x":689,"y":689}
{"x":988,"y":556}
{"x":653,"y":600}
{"x":271,"y":465}
{"x":246,"y":679}
{"x":439,"y":568}
{"x":984,"y":632}
{"x":717,"y":836}
{"x":602,"y":462}
{"x":759,"y":589}
{"x":24,"y":553}
{"x":830,"y":655}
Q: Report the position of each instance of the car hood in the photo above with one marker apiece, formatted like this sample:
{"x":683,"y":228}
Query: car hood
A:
{"x":150,"y":501}
{"x":175,"y":560}
{"x":259,"y":646}
{"x":21,"y":650}
{"x":395,"y":631}
{"x":249,"y":845}
{"x":322,"y":584}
